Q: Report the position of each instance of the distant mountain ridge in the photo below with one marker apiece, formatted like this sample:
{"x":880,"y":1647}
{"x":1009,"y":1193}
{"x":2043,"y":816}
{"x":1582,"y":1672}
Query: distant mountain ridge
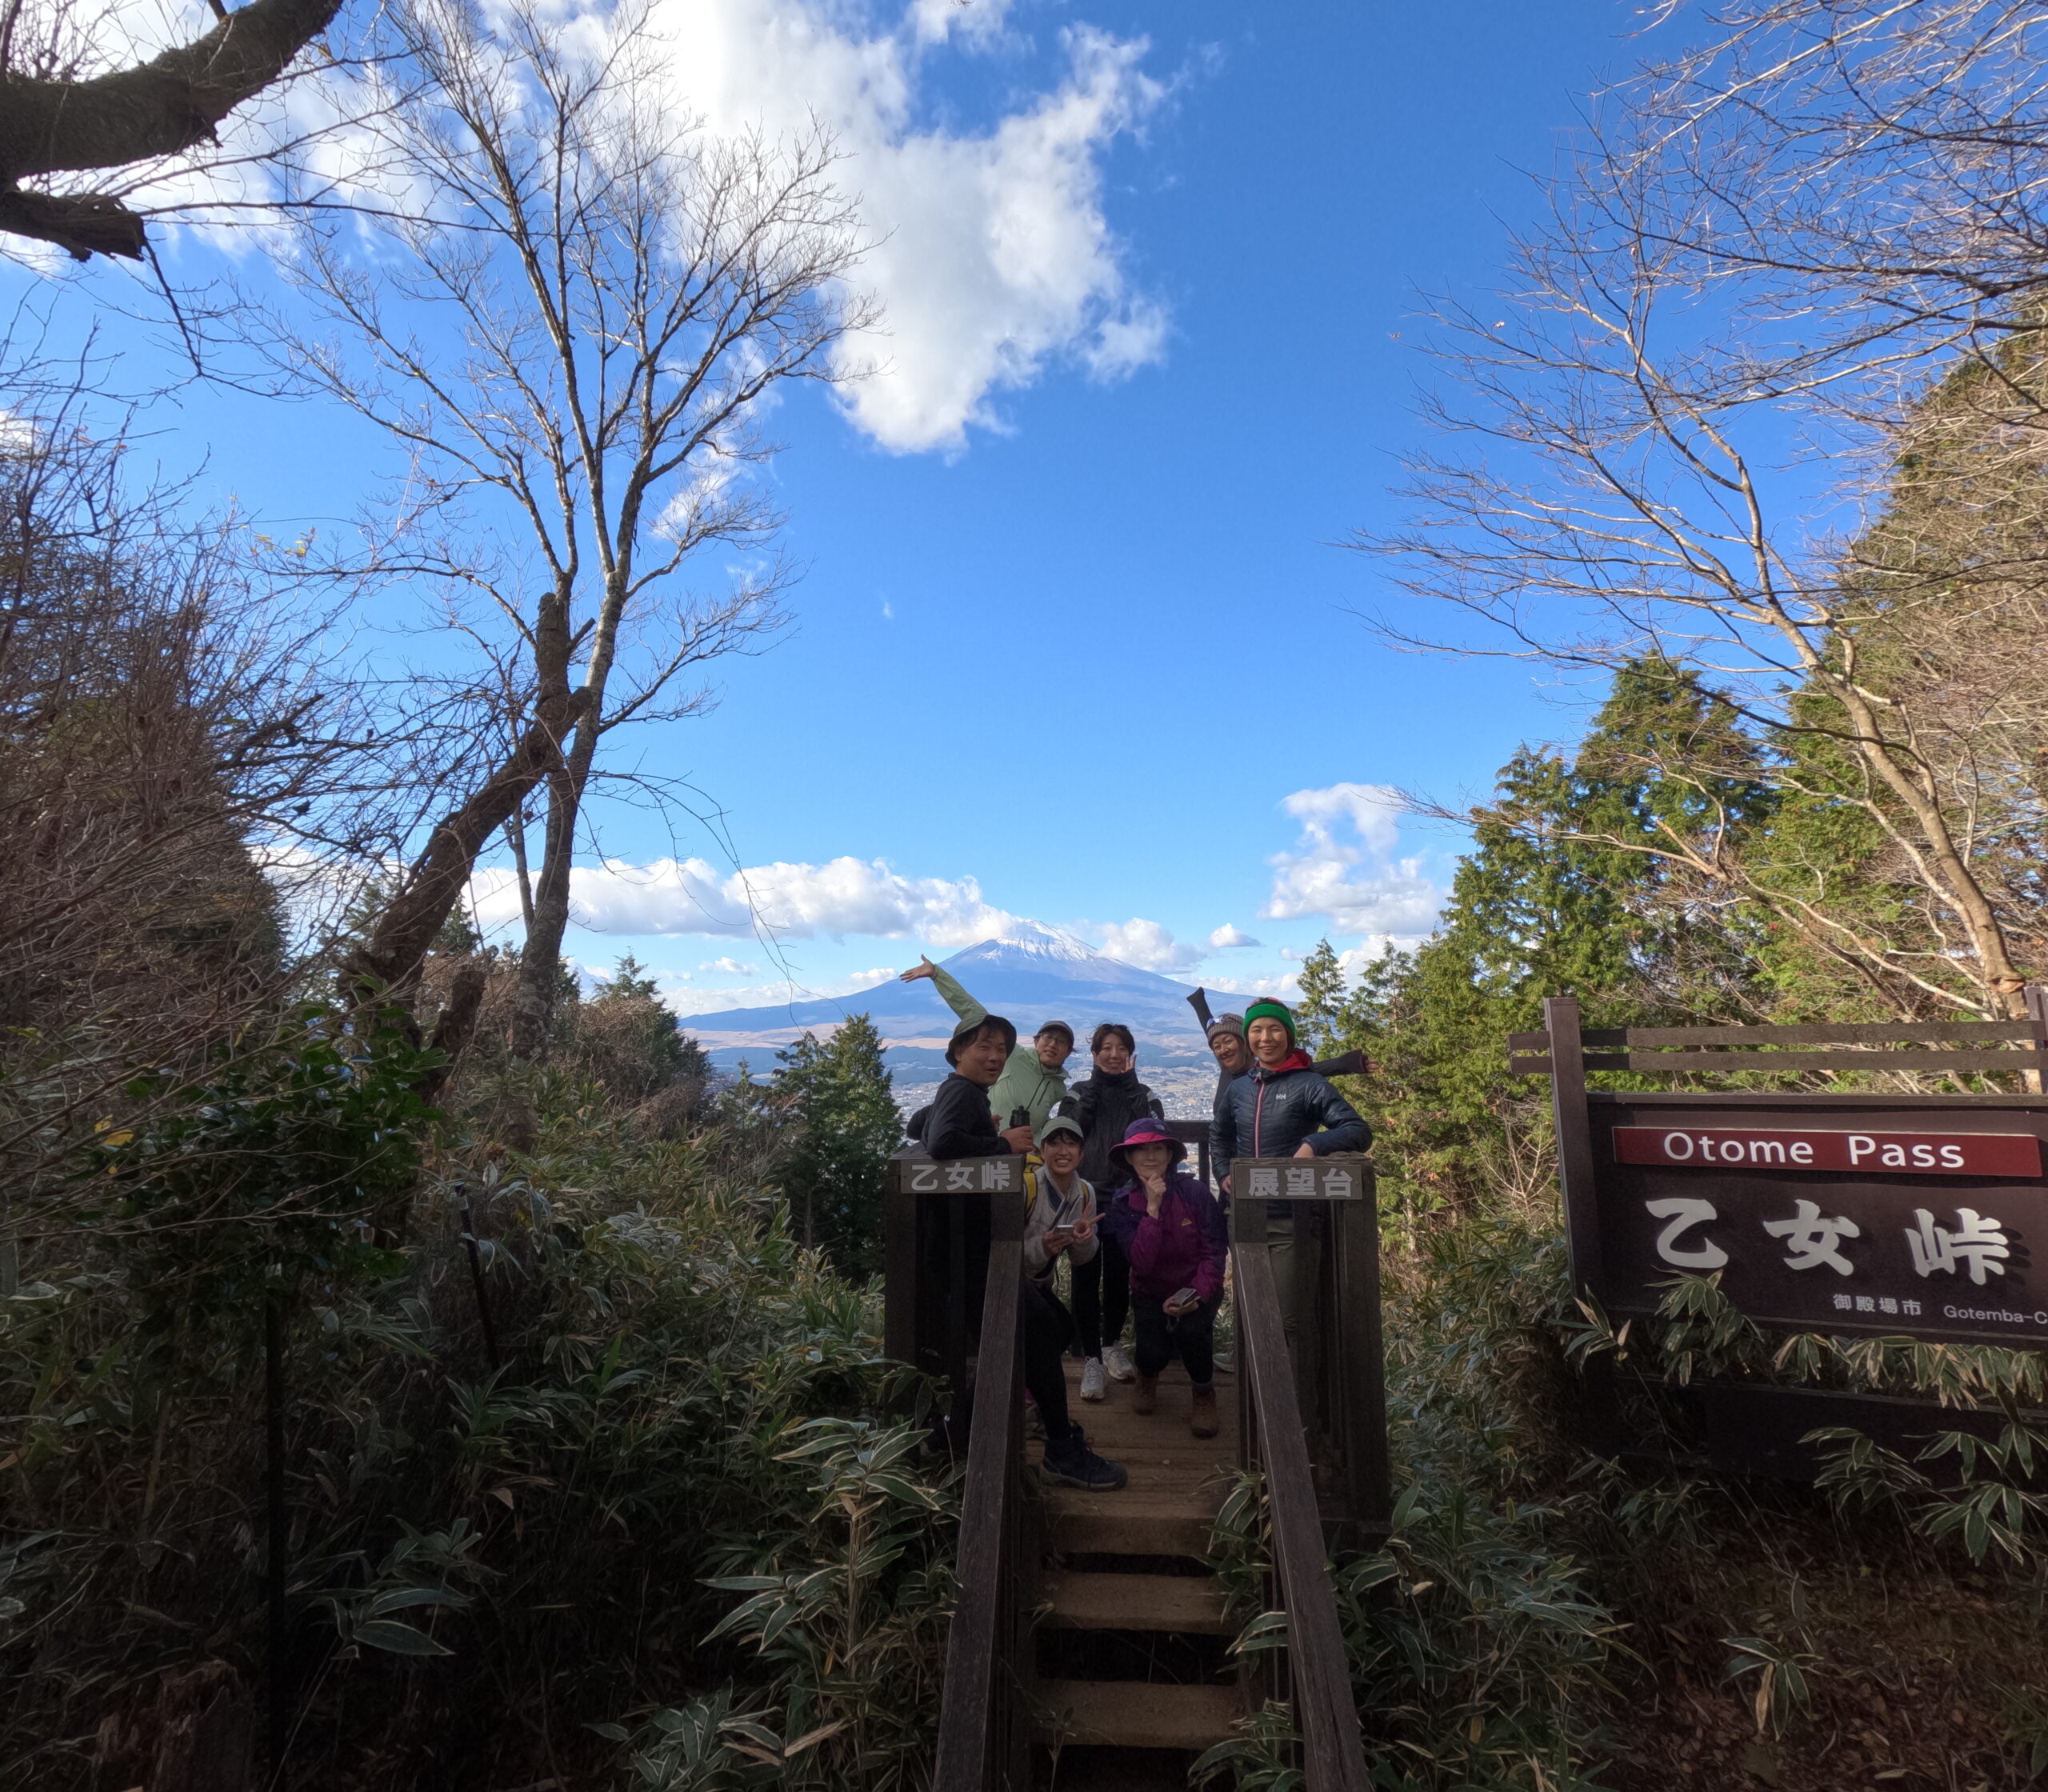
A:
{"x":1035,"y":974}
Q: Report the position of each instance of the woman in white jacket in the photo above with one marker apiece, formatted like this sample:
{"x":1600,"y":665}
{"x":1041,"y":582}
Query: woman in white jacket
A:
{"x":1060,"y":1220}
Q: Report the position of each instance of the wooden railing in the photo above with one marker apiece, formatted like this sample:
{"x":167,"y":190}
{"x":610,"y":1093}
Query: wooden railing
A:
{"x":983,"y":1728}
{"x":1565,"y":1044}
{"x":951,"y":1247}
{"x":1317,"y":1671}
{"x":1344,"y":1436}
{"x":946,"y":1245}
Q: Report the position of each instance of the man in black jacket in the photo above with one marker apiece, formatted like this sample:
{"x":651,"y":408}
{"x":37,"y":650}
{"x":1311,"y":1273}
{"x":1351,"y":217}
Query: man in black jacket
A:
{"x":958,"y":1125}
{"x":1281,"y":1108}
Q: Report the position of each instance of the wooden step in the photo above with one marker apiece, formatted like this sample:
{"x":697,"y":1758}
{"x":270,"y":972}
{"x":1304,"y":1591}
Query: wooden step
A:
{"x":1131,"y":1522}
{"x":1181,"y":1602}
{"x":1128,"y":1714}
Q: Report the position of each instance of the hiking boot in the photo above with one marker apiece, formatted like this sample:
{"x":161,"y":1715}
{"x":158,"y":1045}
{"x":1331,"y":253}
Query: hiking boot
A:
{"x":1117,"y":1360}
{"x":1093,"y":1384}
{"x":1202,"y":1417}
{"x":1071,"y":1463}
{"x":1145,"y":1401}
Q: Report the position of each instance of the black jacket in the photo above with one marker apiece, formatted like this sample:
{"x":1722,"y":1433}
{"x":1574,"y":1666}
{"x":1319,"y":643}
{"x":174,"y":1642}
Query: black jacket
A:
{"x":1268,"y":1115}
{"x":1105,"y":1105}
{"x":958,"y":1124}
{"x":1345,"y":1063}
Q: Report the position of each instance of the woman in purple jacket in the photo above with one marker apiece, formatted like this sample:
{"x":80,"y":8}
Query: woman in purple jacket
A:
{"x":1172,"y":1231}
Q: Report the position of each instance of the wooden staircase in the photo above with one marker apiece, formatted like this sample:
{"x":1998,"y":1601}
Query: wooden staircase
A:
{"x":1134,"y":1676}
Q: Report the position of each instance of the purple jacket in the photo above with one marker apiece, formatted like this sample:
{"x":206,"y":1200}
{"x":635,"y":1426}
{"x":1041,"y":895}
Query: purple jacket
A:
{"x":1181,"y":1248}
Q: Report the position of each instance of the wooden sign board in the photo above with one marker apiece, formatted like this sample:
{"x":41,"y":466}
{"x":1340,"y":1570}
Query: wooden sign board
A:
{"x":1925,"y":1216}
{"x":1335,"y":1177}
{"x":1003,"y":1175}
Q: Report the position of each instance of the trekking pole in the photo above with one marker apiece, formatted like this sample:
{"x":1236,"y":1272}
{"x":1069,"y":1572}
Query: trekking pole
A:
{"x":476,"y":1277}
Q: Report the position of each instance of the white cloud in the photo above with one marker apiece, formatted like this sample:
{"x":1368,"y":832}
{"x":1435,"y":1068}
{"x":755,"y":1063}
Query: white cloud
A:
{"x":732,"y":967}
{"x":978,"y":21}
{"x":789,"y":901}
{"x":992,"y":255}
{"x":1344,"y":867}
{"x":1228,"y":936}
{"x":1145,"y":944}
{"x":685,"y":1000}
{"x":1287,"y":988}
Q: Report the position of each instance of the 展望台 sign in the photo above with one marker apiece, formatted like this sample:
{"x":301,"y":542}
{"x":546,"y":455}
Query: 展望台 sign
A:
{"x":1332,"y":1178}
{"x":1864,"y":1215}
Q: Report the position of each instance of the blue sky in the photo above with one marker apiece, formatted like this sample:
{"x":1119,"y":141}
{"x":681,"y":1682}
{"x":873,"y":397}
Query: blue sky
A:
{"x":1077,"y":647}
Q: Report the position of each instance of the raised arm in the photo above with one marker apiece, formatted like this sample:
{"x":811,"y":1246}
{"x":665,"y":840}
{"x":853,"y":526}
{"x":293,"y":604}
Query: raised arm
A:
{"x":948,"y":986}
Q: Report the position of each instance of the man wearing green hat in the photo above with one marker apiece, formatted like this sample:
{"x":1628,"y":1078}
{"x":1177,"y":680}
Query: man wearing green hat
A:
{"x":1281,"y":1108}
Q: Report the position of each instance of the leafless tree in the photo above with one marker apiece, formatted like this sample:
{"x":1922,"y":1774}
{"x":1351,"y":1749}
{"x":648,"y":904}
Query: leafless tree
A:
{"x":571,"y":318}
{"x":175,"y":739}
{"x":1752,"y":381}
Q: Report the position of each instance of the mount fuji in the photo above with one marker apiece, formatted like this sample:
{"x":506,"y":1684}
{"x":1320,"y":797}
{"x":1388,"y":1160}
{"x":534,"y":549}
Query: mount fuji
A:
{"x":1034,"y":974}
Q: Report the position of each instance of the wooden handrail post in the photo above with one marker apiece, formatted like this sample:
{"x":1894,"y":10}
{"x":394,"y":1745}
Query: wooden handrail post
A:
{"x":1359,"y":1361}
{"x":1334,"y":1750}
{"x":1561,"y":1020}
{"x":966,"y":1705}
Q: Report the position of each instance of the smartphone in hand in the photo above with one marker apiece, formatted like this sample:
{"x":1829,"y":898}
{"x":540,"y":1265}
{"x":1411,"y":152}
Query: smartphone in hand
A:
{"x":1184,"y":1301}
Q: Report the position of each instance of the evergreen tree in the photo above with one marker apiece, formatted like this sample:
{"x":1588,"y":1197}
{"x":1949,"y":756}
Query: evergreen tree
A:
{"x":1319,"y":1013}
{"x":843,"y":1125}
{"x":630,"y":1040}
{"x":1566,"y":892}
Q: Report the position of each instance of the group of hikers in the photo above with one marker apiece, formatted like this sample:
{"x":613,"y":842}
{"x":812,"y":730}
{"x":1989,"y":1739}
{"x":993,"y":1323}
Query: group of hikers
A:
{"x":1106,"y":1188}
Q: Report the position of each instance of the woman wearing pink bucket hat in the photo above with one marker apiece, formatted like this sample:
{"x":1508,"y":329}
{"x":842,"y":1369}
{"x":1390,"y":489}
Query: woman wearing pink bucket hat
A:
{"x":1172,"y":1231}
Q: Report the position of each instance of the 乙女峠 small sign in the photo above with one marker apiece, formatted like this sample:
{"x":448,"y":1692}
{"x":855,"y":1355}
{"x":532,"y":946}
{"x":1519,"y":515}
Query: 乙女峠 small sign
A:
{"x":1825,"y":1148}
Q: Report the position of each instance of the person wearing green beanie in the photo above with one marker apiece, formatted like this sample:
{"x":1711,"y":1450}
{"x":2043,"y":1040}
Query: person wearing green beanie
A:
{"x":1267,"y":1009}
{"x":1283,"y":1108}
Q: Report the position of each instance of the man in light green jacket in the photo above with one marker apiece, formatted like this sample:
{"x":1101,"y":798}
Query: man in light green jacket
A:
{"x":1035,"y":1077}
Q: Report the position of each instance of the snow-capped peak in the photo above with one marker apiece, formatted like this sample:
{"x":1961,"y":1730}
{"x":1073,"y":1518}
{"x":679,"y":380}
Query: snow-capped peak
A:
{"x":1031,"y":940}
{"x":1035,"y":936}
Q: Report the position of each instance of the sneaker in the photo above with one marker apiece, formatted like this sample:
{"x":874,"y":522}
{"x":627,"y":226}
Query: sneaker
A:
{"x":1093,"y":1385}
{"x":1073,"y":1464}
{"x":1117,"y":1360}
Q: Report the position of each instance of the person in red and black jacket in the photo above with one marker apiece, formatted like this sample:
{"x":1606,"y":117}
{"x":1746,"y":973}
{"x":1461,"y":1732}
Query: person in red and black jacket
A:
{"x":1280,"y":1108}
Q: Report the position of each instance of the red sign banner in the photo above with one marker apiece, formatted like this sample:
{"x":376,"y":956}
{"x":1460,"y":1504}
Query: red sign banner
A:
{"x":1880,"y":1154}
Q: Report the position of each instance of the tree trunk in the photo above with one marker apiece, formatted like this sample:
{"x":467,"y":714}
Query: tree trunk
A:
{"x":391,"y":957}
{"x":540,"y":960}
